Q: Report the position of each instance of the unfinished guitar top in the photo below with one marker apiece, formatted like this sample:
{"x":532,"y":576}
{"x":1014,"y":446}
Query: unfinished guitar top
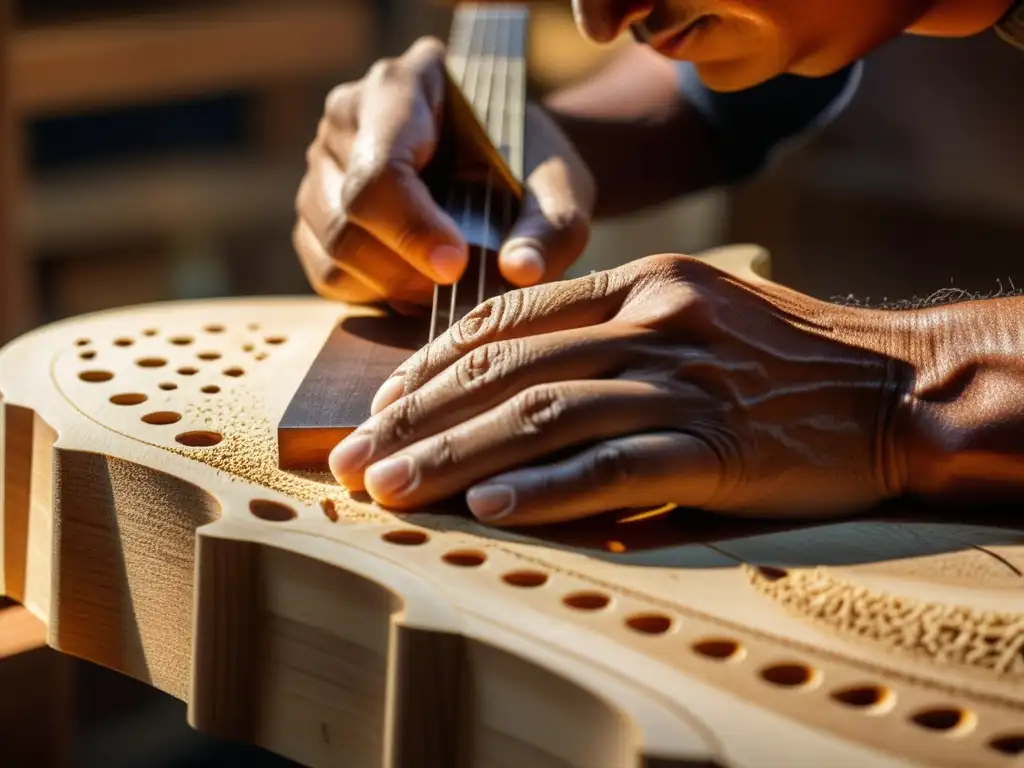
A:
{"x":146,"y":521}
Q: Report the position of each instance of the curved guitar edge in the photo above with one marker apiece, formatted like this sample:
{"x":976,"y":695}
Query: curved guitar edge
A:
{"x":746,"y":261}
{"x":341,"y":657}
{"x":344,"y":647}
{"x":327,"y":643}
{"x":342,"y":653}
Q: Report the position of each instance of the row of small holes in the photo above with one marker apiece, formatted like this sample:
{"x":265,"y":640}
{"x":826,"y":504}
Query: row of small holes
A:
{"x":198,"y":438}
{"x":99,"y":376}
{"x":648,"y":623}
{"x":183,"y":340}
{"x":791,"y":675}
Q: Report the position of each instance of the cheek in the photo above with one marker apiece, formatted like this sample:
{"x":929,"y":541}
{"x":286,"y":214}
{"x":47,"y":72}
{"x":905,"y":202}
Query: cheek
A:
{"x":604,"y":20}
{"x":824,"y":36}
{"x":742,"y":49}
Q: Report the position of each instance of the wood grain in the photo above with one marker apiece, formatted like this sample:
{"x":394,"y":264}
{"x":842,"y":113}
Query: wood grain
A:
{"x":76,"y":66}
{"x":182,"y":555}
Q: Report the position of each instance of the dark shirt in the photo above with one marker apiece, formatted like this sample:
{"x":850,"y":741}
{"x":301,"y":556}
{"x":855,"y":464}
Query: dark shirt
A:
{"x":750,"y":125}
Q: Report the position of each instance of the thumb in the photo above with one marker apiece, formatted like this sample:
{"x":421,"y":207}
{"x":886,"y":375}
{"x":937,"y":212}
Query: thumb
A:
{"x":553,"y":226}
{"x":548,"y":237}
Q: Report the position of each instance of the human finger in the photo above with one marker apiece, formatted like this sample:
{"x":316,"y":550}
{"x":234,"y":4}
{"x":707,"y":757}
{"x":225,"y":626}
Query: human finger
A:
{"x":532,"y":425}
{"x":553,"y":227}
{"x":318,"y":201}
{"x":539,"y":309}
{"x":326,"y":276}
{"x":632,"y":472}
{"x":481,"y":380}
{"x":399,"y":115}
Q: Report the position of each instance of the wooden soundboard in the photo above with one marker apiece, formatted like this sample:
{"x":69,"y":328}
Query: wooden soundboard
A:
{"x":146,"y":522}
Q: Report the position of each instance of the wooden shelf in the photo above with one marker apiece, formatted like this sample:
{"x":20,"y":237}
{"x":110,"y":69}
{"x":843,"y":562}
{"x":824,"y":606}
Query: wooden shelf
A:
{"x":58,"y":68}
{"x":204,"y":193}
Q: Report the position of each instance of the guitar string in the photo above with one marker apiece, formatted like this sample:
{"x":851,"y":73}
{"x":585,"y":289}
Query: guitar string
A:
{"x":456,"y":63}
{"x":465,"y":24}
{"x":501,"y":51}
{"x":505,"y":124}
{"x":473,"y":67}
{"x":492,"y":36}
{"x":469,"y":28}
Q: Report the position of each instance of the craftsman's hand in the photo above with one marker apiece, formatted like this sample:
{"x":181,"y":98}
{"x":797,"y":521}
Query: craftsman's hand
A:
{"x":662,"y":381}
{"x":368,"y":229}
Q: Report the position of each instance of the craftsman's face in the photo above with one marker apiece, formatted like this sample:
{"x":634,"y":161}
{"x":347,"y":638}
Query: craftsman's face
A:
{"x":739,"y":43}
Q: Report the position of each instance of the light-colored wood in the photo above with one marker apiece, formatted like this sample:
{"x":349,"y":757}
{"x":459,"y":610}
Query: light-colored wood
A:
{"x":152,"y":531}
{"x":75,"y":66}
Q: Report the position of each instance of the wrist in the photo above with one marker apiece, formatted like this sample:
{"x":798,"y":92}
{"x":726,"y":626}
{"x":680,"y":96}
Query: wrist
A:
{"x":963,"y":419}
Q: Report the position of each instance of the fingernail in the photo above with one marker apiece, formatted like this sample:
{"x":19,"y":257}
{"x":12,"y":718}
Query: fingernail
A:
{"x":389,"y":391}
{"x":525,"y":265}
{"x":349,"y":456}
{"x":447,"y":261}
{"x":491,"y":502}
{"x":390,"y":477}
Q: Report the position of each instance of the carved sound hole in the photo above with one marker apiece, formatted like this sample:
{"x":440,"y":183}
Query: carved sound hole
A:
{"x":191,"y":372}
{"x":272,"y":511}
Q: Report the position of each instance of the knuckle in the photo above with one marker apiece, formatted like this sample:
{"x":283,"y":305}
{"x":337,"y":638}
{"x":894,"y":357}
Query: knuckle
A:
{"x":323,"y":276}
{"x":338,"y":106}
{"x":384,"y":70}
{"x":444,"y":452}
{"x":682,"y":267}
{"x":364,"y":181}
{"x":483,"y":323}
{"x":399,"y":424}
{"x":537,"y":408}
{"x":598,"y":285}
{"x":428,"y":53}
{"x":669,"y":289}
{"x":484,"y":365}
{"x":430,"y":48}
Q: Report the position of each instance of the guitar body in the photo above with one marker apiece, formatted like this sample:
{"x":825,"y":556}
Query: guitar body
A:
{"x":147,"y":523}
{"x":147,"y":520}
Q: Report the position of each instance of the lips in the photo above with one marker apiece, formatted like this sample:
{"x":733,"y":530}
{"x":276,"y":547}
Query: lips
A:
{"x":671,"y":44}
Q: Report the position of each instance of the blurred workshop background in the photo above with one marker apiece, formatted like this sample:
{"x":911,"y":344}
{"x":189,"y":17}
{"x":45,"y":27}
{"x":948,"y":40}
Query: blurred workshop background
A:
{"x":151,"y":151}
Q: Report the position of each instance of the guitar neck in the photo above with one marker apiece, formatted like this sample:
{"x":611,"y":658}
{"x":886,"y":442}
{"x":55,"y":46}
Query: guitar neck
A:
{"x":478,"y":172}
{"x":487,"y":62}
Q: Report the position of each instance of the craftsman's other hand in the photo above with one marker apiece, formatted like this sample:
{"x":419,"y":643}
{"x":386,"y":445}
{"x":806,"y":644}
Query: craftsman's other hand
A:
{"x":662,"y":381}
{"x":368,"y":229}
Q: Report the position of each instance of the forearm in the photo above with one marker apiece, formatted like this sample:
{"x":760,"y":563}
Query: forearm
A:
{"x":643,"y":142}
{"x":966,"y":415}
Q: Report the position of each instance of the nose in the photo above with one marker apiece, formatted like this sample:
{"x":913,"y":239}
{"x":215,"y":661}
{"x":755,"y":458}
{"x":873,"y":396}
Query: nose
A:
{"x":604,"y":20}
